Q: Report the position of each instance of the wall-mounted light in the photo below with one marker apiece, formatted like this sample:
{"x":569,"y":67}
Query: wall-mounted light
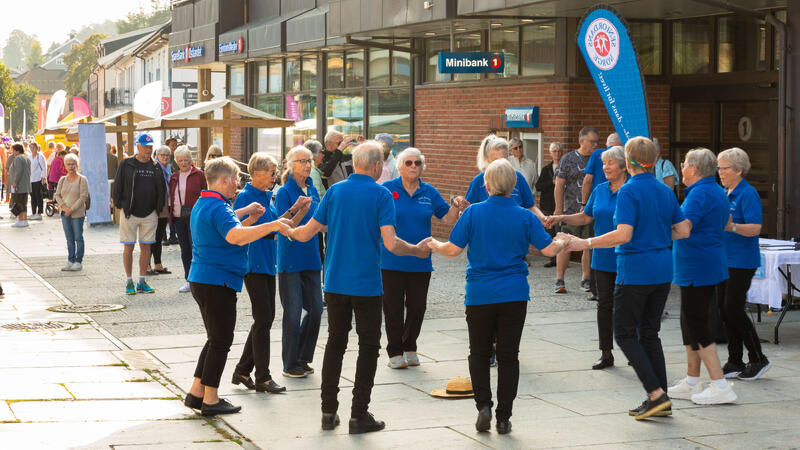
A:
{"x":427,"y":5}
{"x":430,"y":33}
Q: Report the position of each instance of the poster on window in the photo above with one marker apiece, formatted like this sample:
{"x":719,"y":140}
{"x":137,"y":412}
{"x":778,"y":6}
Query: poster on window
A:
{"x":92,"y":138}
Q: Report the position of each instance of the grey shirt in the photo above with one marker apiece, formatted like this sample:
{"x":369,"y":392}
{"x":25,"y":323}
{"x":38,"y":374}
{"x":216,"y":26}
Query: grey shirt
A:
{"x":571,"y":169}
{"x":20,"y":174}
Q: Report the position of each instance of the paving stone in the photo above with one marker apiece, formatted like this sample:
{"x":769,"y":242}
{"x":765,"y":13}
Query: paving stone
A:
{"x":123,"y":390}
{"x":182,"y":445}
{"x":63,"y":359}
{"x":100,"y":410}
{"x":70,"y":374}
{"x":27,"y":390}
{"x":773,"y":439}
{"x":441,"y":438}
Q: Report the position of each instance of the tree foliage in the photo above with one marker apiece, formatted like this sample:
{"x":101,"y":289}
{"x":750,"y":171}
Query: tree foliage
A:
{"x":35,"y":56}
{"x":80,"y":62}
{"x":157,"y":14}
{"x":6,"y":88}
{"x":25,"y":97}
{"x":15,"y":53}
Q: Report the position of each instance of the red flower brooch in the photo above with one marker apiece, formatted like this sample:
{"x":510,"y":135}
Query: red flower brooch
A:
{"x":395,"y":195}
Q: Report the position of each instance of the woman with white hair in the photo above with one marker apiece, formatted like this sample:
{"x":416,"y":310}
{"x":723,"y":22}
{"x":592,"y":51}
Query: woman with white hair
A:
{"x":185,"y":187}
{"x":498,"y":233}
{"x":699,"y":266}
{"x":299,"y":269}
{"x":406,"y":278}
{"x":744,"y":257}
{"x":71,"y":194}
{"x":600,"y":210}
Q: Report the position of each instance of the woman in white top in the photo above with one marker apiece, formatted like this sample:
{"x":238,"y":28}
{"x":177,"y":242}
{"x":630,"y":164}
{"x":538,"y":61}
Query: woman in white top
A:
{"x":526,"y":166}
{"x":71,"y":195}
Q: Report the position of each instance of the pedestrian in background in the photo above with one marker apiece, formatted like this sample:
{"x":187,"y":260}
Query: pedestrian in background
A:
{"x":71,"y":194}
{"x":545,"y":186}
{"x":336,"y":166}
{"x":38,"y":181}
{"x":163,"y":157}
{"x":521,"y":163}
{"x":19,"y":175}
{"x":185,"y":186}
{"x":57,"y":169}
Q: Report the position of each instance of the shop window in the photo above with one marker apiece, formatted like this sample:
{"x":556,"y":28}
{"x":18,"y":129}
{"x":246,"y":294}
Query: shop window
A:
{"x":467,"y":43}
{"x":354,"y":68}
{"x":646,"y":37}
{"x":741,"y":44}
{"x":691,"y":46}
{"x":539,"y":49}
{"x":335,"y":77}
{"x":432,"y":48}
{"x":309,"y":79}
{"x":261,"y":79}
{"x":269,"y":139}
{"x":379,"y":67}
{"x":401,"y":68}
{"x":305,"y":122}
{"x":345,"y":113}
{"x":293,"y":75}
{"x":237,"y":80}
{"x":507,"y":42}
{"x":389,"y":112}
{"x":275,"y":76}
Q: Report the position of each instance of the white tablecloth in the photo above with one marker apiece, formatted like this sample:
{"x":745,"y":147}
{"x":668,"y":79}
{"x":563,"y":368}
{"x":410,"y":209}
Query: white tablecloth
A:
{"x":768,"y":284}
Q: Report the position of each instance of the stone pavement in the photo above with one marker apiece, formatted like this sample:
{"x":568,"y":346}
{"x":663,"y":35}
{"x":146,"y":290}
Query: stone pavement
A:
{"x":103,"y":385}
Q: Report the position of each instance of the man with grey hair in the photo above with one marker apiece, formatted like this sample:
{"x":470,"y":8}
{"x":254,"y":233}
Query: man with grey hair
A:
{"x":336,"y":166}
{"x":359,"y":215}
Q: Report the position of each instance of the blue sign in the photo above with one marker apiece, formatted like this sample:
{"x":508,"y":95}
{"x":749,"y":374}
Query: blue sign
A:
{"x":471,"y":62}
{"x":522,"y":117}
{"x":92,"y":137}
{"x":187,"y":53}
{"x":614,"y":64}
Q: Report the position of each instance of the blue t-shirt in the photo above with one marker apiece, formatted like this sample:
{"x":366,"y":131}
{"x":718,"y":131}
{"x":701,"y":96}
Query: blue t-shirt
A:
{"x":294,"y":256}
{"x":354,"y":211}
{"x":260,"y":253}
{"x":663,"y":169}
{"x":745,"y":207}
{"x":497,"y":234}
{"x":214,"y":260}
{"x":595,"y":168}
{"x":601,"y":206}
{"x":699,"y":260}
{"x":521,"y":194}
{"x":413,"y":223}
{"x":651,"y":209}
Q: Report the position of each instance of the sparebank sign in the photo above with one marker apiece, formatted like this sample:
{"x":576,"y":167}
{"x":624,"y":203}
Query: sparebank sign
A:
{"x":187,"y":53}
{"x":471,"y":62}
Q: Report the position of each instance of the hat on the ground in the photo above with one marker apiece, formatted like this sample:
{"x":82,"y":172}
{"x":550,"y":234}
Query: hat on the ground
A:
{"x":386,"y":138}
{"x":144,"y":139}
{"x":457,"y":387}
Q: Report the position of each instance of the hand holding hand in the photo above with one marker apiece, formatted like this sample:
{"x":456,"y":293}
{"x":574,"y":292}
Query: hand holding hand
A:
{"x":255,"y":210}
{"x":461,"y":203}
{"x":423,"y":248}
{"x":576,"y":244}
{"x":284,"y":226}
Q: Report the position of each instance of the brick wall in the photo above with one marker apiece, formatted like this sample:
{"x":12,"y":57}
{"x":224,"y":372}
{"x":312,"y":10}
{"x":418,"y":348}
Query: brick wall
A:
{"x":451,"y":122}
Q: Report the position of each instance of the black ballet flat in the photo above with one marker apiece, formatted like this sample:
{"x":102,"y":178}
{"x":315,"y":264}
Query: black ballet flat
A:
{"x":603,"y":363}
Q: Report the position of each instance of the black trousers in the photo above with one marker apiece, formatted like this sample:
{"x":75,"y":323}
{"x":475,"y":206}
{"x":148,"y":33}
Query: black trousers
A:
{"x":161,"y":232}
{"x":503,"y":321}
{"x":404,"y":294}
{"x":185,"y":242}
{"x":695,"y":301}
{"x":341,"y":309}
{"x":606,"y":282}
{"x":637,"y":321}
{"x":731,"y":297}
{"x":261,"y":289}
{"x":218,"y":308}
{"x":37,"y":204}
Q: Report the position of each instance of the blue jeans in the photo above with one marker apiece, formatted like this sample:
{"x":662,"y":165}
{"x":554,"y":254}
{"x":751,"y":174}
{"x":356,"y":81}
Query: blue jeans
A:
{"x":300,"y":291}
{"x":73,"y":230}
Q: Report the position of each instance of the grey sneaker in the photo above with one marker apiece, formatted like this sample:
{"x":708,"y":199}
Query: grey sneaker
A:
{"x":561,"y":287}
{"x":411,"y":358}
{"x":397,"y":362}
{"x":76,"y":266}
{"x":586,"y":285}
{"x":67,"y":267}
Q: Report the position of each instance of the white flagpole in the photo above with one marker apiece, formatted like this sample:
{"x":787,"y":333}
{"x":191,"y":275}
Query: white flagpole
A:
{"x":24,"y":124}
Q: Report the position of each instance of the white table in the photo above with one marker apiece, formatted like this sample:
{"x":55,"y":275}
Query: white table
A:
{"x":774,"y":276}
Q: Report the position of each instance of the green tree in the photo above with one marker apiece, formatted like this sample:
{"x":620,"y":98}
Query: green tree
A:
{"x":157,"y":14}
{"x":6,"y":90}
{"x":16,"y":50}
{"x":35,"y":56}
{"x":80,"y":62}
{"x":24,"y":99}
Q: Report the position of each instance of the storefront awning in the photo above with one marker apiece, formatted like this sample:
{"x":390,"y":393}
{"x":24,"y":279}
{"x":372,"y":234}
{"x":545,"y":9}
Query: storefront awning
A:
{"x":307,"y":30}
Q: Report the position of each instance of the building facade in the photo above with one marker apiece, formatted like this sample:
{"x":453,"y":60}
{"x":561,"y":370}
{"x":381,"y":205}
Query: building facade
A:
{"x":714,"y":77}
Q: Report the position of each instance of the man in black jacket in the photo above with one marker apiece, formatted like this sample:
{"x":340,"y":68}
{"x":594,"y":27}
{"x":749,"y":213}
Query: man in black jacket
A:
{"x":336,"y":166}
{"x":140,"y":192}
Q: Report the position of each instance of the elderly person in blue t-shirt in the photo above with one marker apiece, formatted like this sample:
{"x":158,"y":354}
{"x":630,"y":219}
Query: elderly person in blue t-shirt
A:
{"x":358,"y":214}
{"x":744,"y":257}
{"x":498,"y":233}
{"x":219,"y":264}
{"x":299,"y":267}
{"x":647,"y":219}
{"x":600,"y":209}
{"x":406,"y":278}
{"x":699,"y":263}
{"x":260,"y":278}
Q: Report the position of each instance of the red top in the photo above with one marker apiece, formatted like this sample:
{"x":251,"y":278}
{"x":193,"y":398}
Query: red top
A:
{"x":57,"y":170}
{"x":195,"y":184}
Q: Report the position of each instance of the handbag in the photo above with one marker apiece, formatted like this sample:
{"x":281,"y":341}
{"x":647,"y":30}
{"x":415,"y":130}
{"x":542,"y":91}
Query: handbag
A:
{"x":186,"y":211}
{"x":88,"y":201}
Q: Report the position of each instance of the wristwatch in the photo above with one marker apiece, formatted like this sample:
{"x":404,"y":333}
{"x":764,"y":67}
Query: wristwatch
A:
{"x":589,"y":242}
{"x":733,"y":228}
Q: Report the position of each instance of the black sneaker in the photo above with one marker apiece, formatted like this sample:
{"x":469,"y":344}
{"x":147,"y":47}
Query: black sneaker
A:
{"x":755,"y":369}
{"x":365,"y":424}
{"x":239,"y":378}
{"x":308,"y":369}
{"x":221,"y":407}
{"x":295,"y":373}
{"x":652,"y":407}
{"x":503,"y":426}
{"x":549,"y":264}
{"x":663,"y":413}
{"x":193,"y":402}
{"x":586,"y":285}
{"x":330,"y":421}
{"x":732,"y":370}
{"x":484,"y":421}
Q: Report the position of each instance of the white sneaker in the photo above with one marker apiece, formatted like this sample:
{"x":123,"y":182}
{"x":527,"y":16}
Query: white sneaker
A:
{"x":713,"y":395}
{"x":35,"y":217}
{"x":20,"y":224}
{"x":76,"y":267}
{"x":684,"y":390}
{"x":411,"y":358}
{"x":67,"y":267}
{"x":397,"y":362}
{"x":185,"y":288}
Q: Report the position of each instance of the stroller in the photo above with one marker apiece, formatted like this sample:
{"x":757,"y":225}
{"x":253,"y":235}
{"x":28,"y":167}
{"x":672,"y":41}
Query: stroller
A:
{"x":48,"y":194}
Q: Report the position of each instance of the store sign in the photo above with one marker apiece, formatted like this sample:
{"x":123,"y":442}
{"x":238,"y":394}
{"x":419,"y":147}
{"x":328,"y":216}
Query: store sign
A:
{"x":187,"y":53}
{"x":522,"y":117}
{"x":236,"y":46}
{"x":471,"y":62}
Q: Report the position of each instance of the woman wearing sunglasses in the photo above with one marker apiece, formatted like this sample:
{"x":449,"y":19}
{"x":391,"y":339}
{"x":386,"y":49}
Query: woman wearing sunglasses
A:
{"x":406,"y":278}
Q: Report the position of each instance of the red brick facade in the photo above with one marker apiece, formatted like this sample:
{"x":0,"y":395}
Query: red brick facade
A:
{"x":451,"y":122}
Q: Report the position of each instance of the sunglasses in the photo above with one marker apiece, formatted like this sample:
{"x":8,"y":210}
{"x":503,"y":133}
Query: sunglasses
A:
{"x":417,"y":163}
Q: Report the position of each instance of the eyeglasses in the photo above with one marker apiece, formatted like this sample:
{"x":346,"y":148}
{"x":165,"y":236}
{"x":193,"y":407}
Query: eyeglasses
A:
{"x":516,"y":147}
{"x":303,"y":161}
{"x":721,"y":168}
{"x":685,"y":165}
{"x":409,"y":163}
{"x":594,"y":142}
{"x":212,"y":156}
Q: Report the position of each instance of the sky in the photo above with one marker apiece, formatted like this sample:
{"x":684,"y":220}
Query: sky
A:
{"x":52,"y":20}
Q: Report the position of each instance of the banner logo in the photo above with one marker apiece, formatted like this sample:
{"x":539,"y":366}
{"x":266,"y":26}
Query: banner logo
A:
{"x":522,"y":117}
{"x":602,"y":44}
